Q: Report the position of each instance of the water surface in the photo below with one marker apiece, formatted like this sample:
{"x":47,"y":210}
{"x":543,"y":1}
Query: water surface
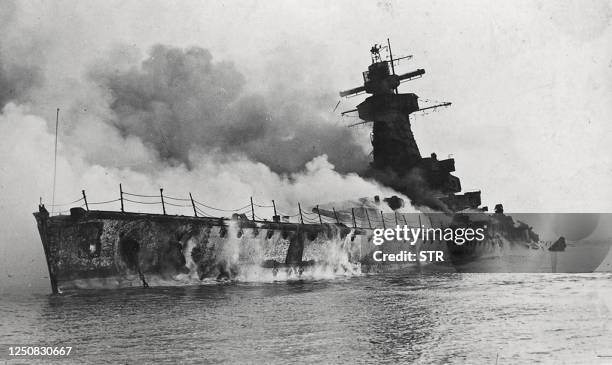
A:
{"x":390,"y":318}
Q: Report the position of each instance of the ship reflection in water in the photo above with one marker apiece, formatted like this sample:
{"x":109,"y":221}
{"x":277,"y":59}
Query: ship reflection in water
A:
{"x":424,"y":318}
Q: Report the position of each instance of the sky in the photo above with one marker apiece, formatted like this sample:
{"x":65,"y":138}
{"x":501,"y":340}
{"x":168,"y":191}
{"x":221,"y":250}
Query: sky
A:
{"x":530,"y":84}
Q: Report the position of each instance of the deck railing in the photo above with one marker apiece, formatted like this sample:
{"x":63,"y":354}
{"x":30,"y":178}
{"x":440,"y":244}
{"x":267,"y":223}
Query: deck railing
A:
{"x":359,"y":218}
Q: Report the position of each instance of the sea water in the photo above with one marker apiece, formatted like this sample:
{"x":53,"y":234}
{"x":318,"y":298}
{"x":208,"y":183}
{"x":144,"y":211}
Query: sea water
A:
{"x":380,"y":318}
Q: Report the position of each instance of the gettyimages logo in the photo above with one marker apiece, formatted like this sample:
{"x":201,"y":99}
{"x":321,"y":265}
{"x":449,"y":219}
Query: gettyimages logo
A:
{"x":413,"y":235}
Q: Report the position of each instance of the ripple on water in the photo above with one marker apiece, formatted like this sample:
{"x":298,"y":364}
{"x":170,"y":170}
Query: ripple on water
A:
{"x":418,"y":318}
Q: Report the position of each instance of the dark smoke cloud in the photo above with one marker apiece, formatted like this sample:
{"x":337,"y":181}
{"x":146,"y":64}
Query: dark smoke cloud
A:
{"x":19,"y":59}
{"x":16,"y":81}
{"x":178,"y":100}
{"x":413,"y":185}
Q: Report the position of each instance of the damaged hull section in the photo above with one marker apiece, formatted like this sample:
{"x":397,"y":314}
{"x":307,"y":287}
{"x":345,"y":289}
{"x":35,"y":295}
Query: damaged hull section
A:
{"x":126,"y":249}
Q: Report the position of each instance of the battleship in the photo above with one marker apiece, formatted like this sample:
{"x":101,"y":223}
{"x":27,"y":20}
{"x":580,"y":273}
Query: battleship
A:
{"x":117,"y":248}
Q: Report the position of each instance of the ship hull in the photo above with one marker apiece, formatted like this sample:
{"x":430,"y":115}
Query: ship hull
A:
{"x":115,"y":249}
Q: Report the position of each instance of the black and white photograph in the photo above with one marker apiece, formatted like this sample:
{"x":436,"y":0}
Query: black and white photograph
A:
{"x":305,"y":182}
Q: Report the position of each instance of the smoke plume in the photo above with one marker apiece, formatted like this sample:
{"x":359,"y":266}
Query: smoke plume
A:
{"x":18,"y":71}
{"x":179,"y":100}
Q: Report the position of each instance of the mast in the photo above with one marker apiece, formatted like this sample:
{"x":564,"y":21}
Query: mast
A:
{"x":55,"y":160}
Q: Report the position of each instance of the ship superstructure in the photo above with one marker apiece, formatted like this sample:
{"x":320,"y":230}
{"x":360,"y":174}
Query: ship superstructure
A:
{"x":397,"y":161}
